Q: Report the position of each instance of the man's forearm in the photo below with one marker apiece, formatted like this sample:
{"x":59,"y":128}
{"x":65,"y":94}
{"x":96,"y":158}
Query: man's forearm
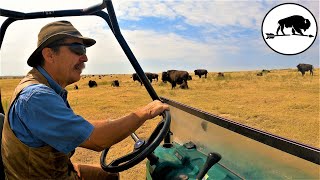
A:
{"x":109,"y":132}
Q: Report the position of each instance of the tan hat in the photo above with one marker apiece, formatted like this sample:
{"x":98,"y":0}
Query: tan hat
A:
{"x":55,"y":31}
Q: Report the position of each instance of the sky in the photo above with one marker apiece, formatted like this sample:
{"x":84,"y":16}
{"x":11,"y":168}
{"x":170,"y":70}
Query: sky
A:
{"x":217,"y":35}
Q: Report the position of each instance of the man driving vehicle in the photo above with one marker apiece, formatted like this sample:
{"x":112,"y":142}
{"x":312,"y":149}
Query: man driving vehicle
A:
{"x":41,"y":131}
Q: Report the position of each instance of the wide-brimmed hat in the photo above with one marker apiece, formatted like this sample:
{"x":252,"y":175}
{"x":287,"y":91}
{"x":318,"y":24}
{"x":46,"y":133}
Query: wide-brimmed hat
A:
{"x":55,"y":31}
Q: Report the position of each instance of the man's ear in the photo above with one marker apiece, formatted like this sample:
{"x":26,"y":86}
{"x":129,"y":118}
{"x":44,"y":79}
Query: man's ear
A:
{"x":47,"y":54}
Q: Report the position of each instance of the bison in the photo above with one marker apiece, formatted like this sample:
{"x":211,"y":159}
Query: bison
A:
{"x":135,"y":77}
{"x":265,"y":71}
{"x":92,"y":84}
{"x":153,"y":76}
{"x":150,"y":76}
{"x":259,"y":74}
{"x":305,"y":67}
{"x":200,"y":72}
{"x":115,"y":83}
{"x":175,"y":77}
{"x":220,"y":74}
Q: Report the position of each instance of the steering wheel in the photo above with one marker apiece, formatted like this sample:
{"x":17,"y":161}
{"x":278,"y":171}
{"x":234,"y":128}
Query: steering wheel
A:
{"x":142,"y":149}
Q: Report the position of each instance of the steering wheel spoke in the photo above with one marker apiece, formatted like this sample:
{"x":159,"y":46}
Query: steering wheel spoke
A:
{"x":127,"y":161}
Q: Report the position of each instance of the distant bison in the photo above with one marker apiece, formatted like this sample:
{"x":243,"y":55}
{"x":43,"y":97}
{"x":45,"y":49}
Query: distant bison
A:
{"x":220,"y":74}
{"x":150,"y":76}
{"x":1,"y":108}
{"x":115,"y":83}
{"x":200,"y":72}
{"x":135,"y":77}
{"x":265,"y":71}
{"x":305,"y":67}
{"x":153,"y":76}
{"x":92,"y":84}
{"x":75,"y":87}
{"x":175,"y":77}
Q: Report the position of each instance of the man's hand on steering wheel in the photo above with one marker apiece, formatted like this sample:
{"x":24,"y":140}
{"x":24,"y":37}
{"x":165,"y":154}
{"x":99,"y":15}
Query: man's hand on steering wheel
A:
{"x":142,"y":148}
{"x":151,"y":110}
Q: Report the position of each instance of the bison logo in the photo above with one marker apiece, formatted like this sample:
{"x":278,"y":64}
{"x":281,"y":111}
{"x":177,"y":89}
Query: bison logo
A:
{"x":289,"y":29}
{"x":296,"y":22}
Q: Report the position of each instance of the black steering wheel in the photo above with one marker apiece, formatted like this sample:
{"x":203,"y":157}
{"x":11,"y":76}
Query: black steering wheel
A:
{"x":142,"y":149}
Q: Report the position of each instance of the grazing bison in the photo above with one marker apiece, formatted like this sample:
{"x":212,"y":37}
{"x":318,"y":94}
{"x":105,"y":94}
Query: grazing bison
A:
{"x":92,"y":84}
{"x":135,"y":77}
{"x":305,"y":67}
{"x":175,"y":77}
{"x":265,"y":71}
{"x":115,"y":83}
{"x":220,"y":74}
{"x":259,"y":74}
{"x":1,"y":108}
{"x":153,"y":76}
{"x":184,"y":85}
{"x":200,"y":72}
{"x":149,"y":76}
{"x":75,"y":87}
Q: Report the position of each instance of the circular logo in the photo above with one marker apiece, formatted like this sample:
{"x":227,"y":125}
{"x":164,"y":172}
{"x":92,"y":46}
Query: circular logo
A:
{"x":289,"y":29}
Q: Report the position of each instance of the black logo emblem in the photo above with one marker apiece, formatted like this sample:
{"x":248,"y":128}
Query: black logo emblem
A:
{"x":289,"y":29}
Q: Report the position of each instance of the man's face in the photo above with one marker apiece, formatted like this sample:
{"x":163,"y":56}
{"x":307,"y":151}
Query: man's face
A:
{"x":68,"y":65}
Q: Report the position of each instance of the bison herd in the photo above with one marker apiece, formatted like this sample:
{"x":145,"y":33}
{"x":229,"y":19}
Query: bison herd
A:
{"x":178,"y":77}
{"x":181,"y":78}
{"x":172,"y":76}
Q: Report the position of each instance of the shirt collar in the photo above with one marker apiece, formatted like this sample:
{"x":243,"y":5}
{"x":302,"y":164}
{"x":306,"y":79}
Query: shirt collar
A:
{"x":54,"y":85}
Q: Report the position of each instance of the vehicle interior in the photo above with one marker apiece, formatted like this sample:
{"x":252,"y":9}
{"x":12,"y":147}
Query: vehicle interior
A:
{"x":206,"y":146}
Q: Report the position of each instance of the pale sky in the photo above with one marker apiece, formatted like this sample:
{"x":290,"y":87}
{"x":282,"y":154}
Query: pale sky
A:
{"x":215,"y":35}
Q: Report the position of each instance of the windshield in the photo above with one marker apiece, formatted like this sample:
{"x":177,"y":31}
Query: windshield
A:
{"x":250,"y":159}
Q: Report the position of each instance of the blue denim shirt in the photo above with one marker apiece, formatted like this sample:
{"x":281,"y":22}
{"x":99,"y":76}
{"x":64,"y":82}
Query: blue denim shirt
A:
{"x":42,"y":116}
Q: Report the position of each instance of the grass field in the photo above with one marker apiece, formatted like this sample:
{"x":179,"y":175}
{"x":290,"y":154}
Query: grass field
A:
{"x":281,"y":102}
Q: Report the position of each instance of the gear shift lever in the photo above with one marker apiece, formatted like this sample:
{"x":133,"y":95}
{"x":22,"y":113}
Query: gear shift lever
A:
{"x":212,"y":159}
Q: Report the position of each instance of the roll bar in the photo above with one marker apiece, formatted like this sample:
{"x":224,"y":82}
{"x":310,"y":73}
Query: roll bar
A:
{"x":96,"y":10}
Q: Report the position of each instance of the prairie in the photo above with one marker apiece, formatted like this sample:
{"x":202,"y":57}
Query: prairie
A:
{"x":281,"y":102}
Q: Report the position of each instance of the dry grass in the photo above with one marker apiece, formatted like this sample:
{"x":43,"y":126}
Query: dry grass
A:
{"x":281,"y":102}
